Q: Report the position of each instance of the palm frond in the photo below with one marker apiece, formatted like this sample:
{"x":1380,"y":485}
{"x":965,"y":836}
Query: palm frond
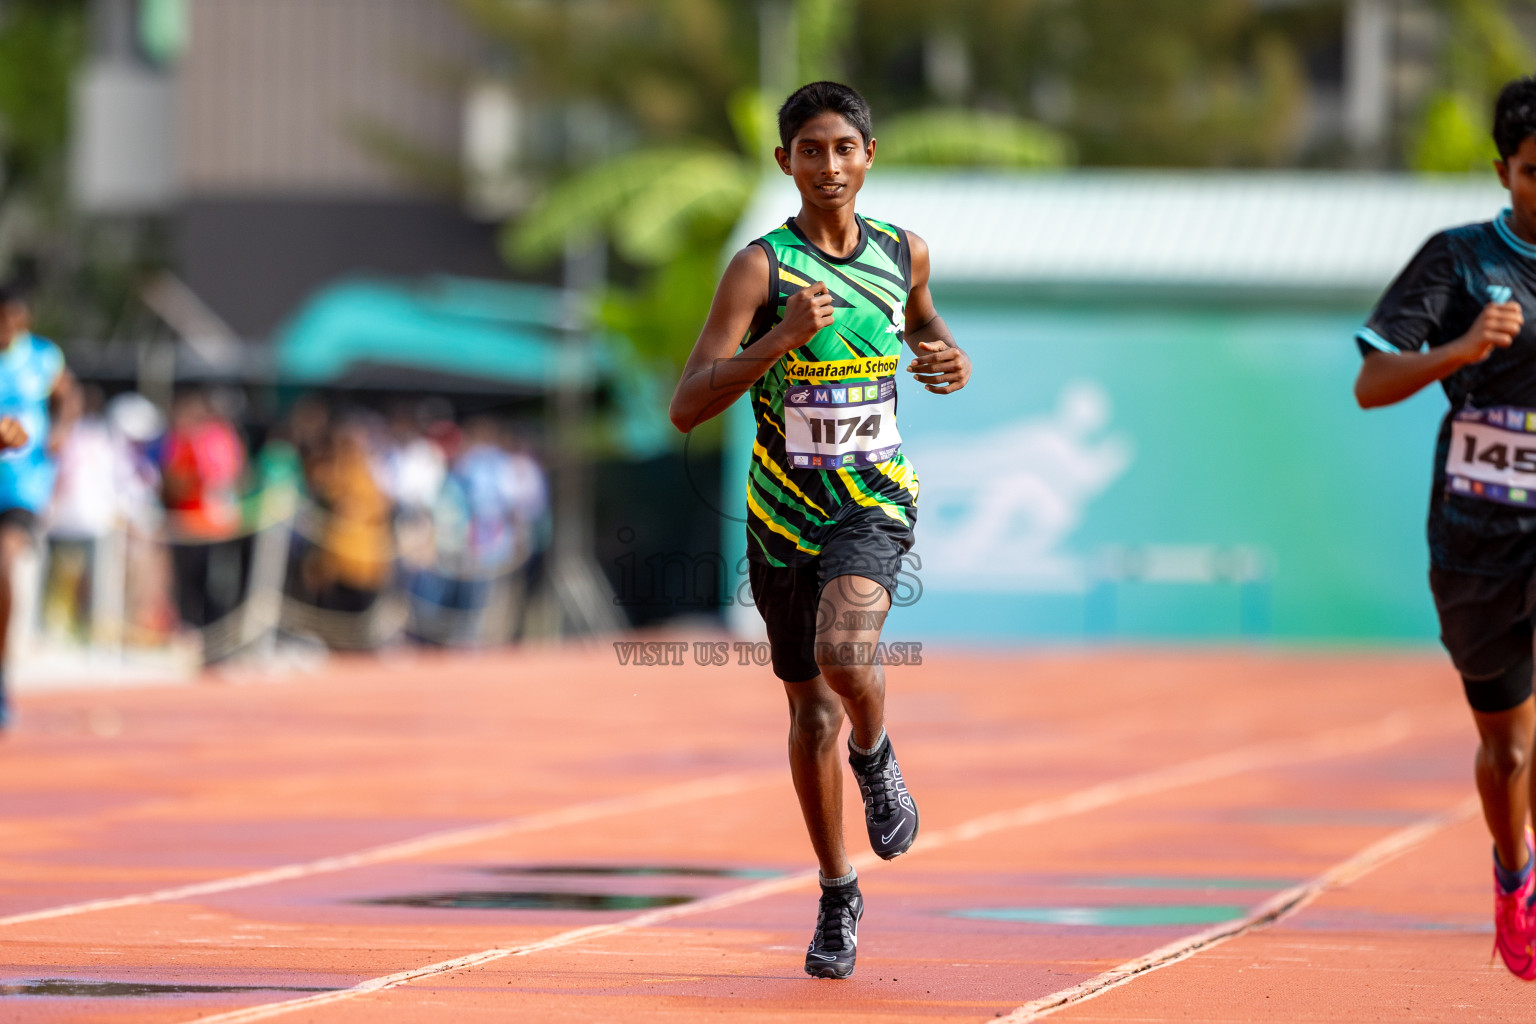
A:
{"x":645,"y":200}
{"x":943,"y":137}
{"x":709,"y":187}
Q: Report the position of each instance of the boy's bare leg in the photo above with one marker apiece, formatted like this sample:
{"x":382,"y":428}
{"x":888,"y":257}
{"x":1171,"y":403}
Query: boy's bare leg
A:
{"x":1504,"y":777}
{"x":851,"y":614}
{"x":815,"y":721}
{"x":849,"y":618}
{"x":13,"y":541}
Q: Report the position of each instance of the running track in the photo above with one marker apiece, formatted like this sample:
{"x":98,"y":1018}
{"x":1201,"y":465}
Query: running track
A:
{"x":1148,"y":836}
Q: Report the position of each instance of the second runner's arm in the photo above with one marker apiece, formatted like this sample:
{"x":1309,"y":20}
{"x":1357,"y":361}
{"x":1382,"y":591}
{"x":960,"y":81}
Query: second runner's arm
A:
{"x":1389,"y":377}
{"x":716,"y":374}
{"x":939,"y":364}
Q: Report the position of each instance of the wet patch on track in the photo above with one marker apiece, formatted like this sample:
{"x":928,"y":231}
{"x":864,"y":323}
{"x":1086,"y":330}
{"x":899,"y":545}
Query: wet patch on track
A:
{"x":1134,"y":916}
{"x":632,"y":871}
{"x":529,"y":900}
{"x":1180,"y":883}
{"x":71,"y":988}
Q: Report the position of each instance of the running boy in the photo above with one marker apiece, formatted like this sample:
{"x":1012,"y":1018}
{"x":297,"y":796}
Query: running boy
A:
{"x":39,"y":403}
{"x":1455,"y":315}
{"x":819,"y":309}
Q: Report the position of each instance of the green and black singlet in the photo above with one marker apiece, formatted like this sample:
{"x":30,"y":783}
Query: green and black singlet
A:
{"x":826,"y":412}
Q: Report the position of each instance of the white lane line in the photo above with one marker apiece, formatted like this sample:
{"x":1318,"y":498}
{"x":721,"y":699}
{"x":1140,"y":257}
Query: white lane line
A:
{"x":665,"y":796}
{"x":1335,"y":743}
{"x":1279,"y":907}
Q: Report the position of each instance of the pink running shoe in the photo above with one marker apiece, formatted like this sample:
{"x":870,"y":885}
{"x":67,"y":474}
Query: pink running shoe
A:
{"x":1515,"y":926}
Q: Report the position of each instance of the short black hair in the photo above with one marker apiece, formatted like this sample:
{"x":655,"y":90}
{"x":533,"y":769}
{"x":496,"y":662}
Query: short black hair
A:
{"x":1514,"y":115}
{"x":14,"y":290}
{"x":819,"y":98}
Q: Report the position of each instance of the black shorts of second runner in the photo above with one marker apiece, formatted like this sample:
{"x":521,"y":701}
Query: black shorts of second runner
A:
{"x":20,"y":518}
{"x":866,"y":543}
{"x":1486,"y":623}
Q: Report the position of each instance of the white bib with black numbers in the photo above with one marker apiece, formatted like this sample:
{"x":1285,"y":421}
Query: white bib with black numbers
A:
{"x":835,"y":424}
{"x":1493,"y":455}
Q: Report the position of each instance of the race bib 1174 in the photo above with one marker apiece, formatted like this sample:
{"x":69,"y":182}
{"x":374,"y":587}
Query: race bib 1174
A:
{"x":832,"y":425}
{"x":1493,"y":455}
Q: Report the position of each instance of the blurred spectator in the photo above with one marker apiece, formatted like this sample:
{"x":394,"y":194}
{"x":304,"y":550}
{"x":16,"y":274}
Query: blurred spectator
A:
{"x":487,"y":496}
{"x":105,"y":555}
{"x":202,"y":461}
{"x":411,"y":468}
{"x":85,"y":511}
{"x":387,"y":507}
{"x":309,"y":426}
{"x":149,"y":612}
{"x":532,"y":520}
{"x":530,"y":495}
{"x":90,"y":461}
{"x":349,"y":563}
{"x":445,"y":433}
{"x":487,"y":475}
{"x":278,"y":465}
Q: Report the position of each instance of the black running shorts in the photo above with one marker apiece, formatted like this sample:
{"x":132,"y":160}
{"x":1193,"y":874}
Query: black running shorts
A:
{"x":866,"y":542}
{"x":20,"y":518}
{"x":1486,"y":625}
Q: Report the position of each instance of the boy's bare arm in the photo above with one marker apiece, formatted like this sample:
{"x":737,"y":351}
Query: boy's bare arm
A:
{"x":1389,"y":377}
{"x":716,"y":374}
{"x":939,"y":364}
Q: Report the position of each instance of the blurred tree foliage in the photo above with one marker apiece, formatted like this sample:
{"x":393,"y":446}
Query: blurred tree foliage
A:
{"x":1129,"y":82}
{"x":1483,"y":49}
{"x":41,"y":41}
{"x":651,"y":131}
{"x":87,"y":270}
{"x":656,"y":132}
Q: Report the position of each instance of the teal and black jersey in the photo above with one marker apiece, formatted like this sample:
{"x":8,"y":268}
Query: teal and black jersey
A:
{"x":826,"y":412}
{"x":1482,"y":508}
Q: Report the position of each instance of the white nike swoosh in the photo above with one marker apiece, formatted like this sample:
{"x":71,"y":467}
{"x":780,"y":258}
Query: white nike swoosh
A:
{"x":898,"y":828}
{"x":823,"y":956}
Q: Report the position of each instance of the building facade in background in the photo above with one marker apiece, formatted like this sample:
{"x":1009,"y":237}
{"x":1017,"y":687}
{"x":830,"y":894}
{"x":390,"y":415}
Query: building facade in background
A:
{"x":1160,"y":439}
{"x":284,"y":142}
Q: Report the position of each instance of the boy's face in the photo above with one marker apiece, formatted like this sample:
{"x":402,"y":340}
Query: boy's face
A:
{"x":828,"y":160}
{"x":1518,"y":174}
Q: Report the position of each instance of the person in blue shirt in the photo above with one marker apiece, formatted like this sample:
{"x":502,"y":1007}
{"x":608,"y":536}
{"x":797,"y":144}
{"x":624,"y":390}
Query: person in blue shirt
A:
{"x":40,"y":396}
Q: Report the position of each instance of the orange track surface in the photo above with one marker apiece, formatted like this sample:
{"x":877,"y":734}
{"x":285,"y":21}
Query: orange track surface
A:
{"x":1147,"y":795}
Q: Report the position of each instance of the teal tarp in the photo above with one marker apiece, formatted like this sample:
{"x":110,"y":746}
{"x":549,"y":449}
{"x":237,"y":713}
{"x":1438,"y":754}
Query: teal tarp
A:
{"x":510,"y":335}
{"x":488,"y":330}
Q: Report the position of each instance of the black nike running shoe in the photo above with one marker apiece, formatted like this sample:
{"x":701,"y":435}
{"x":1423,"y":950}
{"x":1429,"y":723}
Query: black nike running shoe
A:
{"x":835,"y":941}
{"x":889,"y":813}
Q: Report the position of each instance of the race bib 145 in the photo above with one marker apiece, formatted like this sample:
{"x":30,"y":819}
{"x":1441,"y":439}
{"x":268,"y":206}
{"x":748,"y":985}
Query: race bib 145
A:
{"x":1493,"y":455}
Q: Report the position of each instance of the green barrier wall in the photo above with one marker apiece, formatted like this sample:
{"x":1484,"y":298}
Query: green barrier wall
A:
{"x":1175,"y":471}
